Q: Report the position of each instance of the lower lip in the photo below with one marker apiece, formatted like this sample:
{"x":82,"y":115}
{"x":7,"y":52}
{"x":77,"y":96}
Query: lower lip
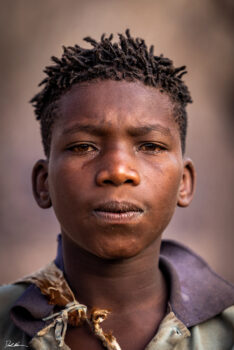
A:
{"x":118,"y":217}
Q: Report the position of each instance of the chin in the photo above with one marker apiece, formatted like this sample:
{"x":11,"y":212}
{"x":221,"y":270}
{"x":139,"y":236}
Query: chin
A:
{"x":116,"y":251}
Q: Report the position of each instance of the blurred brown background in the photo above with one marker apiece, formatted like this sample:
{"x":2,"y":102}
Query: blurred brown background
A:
{"x":198,"y":34}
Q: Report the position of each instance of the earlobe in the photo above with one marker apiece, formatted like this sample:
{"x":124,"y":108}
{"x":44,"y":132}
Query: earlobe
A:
{"x":187,"y":184}
{"x":40,"y":184}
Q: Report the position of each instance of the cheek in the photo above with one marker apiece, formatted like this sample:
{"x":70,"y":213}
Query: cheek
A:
{"x":65,"y":177}
{"x":164,"y":188}
{"x":165,"y":176}
{"x":64,"y":185}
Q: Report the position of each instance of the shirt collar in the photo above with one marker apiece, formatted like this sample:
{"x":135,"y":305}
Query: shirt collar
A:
{"x":196,"y":293}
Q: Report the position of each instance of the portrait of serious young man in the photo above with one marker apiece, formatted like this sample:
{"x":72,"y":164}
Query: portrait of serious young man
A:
{"x":113,"y":124}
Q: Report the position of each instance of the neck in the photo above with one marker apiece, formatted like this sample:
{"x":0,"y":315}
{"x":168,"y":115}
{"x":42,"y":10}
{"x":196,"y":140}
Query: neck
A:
{"x":119,"y":285}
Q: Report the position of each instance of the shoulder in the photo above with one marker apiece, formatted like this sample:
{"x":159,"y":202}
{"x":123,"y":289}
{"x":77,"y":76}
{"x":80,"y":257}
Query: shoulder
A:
{"x":8,"y":295}
{"x":216,"y":333}
{"x":197,"y":293}
{"x":222,"y":324}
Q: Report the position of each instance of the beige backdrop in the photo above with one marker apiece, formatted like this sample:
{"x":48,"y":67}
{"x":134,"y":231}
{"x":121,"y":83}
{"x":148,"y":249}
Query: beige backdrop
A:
{"x":196,"y":33}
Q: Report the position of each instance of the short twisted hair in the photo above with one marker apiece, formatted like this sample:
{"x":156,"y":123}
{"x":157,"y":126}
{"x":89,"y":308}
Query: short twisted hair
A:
{"x":129,"y":59}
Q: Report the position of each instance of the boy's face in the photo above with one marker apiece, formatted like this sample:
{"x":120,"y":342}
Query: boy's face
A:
{"x":116,"y":171}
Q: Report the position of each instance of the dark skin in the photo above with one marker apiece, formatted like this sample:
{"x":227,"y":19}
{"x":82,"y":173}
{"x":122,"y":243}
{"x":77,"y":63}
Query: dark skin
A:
{"x":114,"y":177}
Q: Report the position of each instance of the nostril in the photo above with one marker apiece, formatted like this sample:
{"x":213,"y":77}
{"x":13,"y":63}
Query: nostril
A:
{"x":117,"y":182}
{"x":108,"y":182}
{"x":129,"y":181}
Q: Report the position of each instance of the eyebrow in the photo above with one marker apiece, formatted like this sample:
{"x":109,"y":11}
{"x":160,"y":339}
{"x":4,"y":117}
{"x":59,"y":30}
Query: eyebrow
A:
{"x":97,"y":130}
{"x":146,"y":129}
{"x":87,"y":128}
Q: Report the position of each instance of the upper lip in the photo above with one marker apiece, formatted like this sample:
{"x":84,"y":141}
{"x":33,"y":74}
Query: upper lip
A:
{"x":118,"y":207}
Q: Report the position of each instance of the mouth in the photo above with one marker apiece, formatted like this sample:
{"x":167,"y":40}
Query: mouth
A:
{"x":118,"y":212}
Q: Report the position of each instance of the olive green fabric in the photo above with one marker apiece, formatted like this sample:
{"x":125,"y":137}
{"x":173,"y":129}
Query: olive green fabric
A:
{"x":214,"y":334}
{"x":9,"y":333}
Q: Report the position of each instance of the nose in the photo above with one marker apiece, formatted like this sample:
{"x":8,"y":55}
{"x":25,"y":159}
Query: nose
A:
{"x":117,"y":170}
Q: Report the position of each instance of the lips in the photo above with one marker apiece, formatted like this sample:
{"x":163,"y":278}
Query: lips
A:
{"x":118,"y":207}
{"x":114,"y":211}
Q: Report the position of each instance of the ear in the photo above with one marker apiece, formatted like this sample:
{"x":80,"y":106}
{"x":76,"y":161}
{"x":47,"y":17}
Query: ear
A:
{"x":187,"y":184}
{"x":40,"y":184}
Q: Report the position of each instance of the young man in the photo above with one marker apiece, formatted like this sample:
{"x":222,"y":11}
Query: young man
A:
{"x":113,"y":126}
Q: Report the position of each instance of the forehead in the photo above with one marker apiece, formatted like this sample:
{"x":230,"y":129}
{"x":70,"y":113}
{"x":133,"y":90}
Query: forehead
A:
{"x":115,"y":102}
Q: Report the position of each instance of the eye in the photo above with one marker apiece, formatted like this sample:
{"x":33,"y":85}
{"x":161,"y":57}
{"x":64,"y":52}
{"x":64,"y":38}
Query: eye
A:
{"x":151,"y":147}
{"x":82,"y":148}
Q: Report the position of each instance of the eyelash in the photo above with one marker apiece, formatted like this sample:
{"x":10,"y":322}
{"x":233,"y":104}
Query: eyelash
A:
{"x":152,"y":147}
{"x":82,"y":148}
